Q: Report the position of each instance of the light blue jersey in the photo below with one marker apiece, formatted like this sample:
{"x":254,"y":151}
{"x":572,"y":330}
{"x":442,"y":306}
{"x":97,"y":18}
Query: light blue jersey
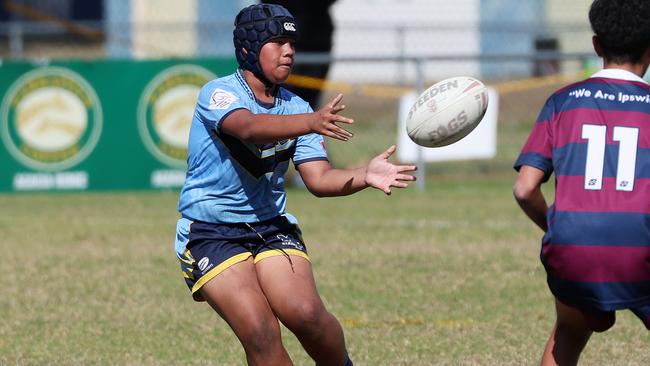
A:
{"x":230,"y":181}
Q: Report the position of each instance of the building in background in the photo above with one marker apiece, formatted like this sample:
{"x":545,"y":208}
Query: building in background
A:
{"x":65,"y":110}
{"x":416,"y":28}
{"x":460,"y":37}
{"x":39,"y":28}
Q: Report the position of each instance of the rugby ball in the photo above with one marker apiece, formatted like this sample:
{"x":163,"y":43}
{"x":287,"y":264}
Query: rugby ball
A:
{"x":447,"y":111}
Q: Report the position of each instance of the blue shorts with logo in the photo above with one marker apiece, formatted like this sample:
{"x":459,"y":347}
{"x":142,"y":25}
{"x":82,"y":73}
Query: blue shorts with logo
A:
{"x":207,"y":249}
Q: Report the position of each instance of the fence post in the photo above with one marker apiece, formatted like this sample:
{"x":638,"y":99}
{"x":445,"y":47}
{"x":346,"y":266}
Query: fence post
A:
{"x":16,"y":39}
{"x":401,"y":51}
{"x":419,"y":88}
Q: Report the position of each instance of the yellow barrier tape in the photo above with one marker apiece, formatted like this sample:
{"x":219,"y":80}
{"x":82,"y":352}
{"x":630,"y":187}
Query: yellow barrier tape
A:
{"x":388,"y":91}
{"x":32,"y":13}
{"x":517,"y":86}
{"x":308,"y":82}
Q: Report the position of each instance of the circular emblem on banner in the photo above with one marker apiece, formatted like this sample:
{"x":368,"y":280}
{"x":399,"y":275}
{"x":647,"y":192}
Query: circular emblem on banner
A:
{"x":166,"y":109}
{"x":51,"y":119}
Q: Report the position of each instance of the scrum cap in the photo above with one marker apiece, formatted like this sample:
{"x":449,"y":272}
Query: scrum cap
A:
{"x":254,"y":26}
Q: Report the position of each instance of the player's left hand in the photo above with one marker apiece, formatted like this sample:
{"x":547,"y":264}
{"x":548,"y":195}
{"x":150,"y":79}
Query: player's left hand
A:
{"x":382,"y":174}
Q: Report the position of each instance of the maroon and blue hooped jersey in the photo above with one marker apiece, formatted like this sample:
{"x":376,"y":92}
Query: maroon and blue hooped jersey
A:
{"x":595,"y":136}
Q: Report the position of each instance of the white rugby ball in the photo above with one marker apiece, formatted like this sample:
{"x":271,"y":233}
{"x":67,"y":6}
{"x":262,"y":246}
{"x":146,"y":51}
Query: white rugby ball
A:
{"x":447,"y":111}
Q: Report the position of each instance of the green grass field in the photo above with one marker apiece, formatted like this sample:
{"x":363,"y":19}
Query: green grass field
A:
{"x":445,"y":276}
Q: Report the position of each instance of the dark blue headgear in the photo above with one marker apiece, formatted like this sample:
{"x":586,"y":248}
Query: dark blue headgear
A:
{"x":254,"y":26}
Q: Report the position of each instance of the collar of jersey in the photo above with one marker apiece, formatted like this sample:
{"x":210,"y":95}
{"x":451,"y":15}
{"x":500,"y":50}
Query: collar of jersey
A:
{"x":618,"y":74}
{"x":240,"y":77}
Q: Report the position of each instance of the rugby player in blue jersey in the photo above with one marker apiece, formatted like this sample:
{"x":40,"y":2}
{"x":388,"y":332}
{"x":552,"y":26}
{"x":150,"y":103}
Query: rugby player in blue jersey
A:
{"x":239,"y":249}
{"x":595,"y":136}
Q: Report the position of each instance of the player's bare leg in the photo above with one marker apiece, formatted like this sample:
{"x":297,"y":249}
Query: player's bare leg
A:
{"x":568,"y":338}
{"x":295,"y":300}
{"x":236,"y":295}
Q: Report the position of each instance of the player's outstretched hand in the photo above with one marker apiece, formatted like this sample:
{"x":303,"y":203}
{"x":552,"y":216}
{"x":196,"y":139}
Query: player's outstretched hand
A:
{"x":382,"y":174}
{"x":327,"y":118}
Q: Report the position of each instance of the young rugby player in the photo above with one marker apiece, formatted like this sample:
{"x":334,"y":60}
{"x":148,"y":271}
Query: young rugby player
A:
{"x":239,"y":249}
{"x":595,"y":136}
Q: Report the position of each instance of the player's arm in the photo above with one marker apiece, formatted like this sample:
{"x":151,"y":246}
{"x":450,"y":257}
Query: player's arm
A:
{"x":265,"y":128}
{"x":528,"y":193}
{"x":324,"y":181}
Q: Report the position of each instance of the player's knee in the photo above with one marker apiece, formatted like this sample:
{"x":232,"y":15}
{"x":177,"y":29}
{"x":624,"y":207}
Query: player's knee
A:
{"x":308,"y":317}
{"x":261,"y":337}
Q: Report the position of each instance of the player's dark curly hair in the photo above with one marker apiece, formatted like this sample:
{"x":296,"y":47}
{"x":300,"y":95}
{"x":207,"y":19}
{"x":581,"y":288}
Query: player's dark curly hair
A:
{"x":622,"y":28}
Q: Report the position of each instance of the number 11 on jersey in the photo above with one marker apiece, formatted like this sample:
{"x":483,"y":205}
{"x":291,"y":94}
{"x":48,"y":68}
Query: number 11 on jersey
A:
{"x":596,"y":135}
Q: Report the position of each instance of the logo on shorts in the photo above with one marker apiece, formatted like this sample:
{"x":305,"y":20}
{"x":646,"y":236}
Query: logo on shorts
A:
{"x":203,"y":264}
{"x":166,"y":109}
{"x":290,"y":241}
{"x":51,"y":119}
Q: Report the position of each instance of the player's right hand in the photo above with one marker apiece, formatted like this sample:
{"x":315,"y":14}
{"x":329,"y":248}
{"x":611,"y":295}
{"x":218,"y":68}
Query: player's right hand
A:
{"x":326,"y":119}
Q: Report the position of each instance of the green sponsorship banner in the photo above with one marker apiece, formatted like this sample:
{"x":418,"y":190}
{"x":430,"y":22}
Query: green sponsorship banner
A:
{"x":99,"y":125}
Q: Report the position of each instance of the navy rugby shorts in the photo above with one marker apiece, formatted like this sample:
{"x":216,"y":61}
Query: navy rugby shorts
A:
{"x":642,"y":311}
{"x":207,"y":249}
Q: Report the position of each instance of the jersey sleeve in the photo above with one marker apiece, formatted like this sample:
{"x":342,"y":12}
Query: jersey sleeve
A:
{"x":309,"y":147}
{"x":216,"y":101}
{"x":537,"y":151}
